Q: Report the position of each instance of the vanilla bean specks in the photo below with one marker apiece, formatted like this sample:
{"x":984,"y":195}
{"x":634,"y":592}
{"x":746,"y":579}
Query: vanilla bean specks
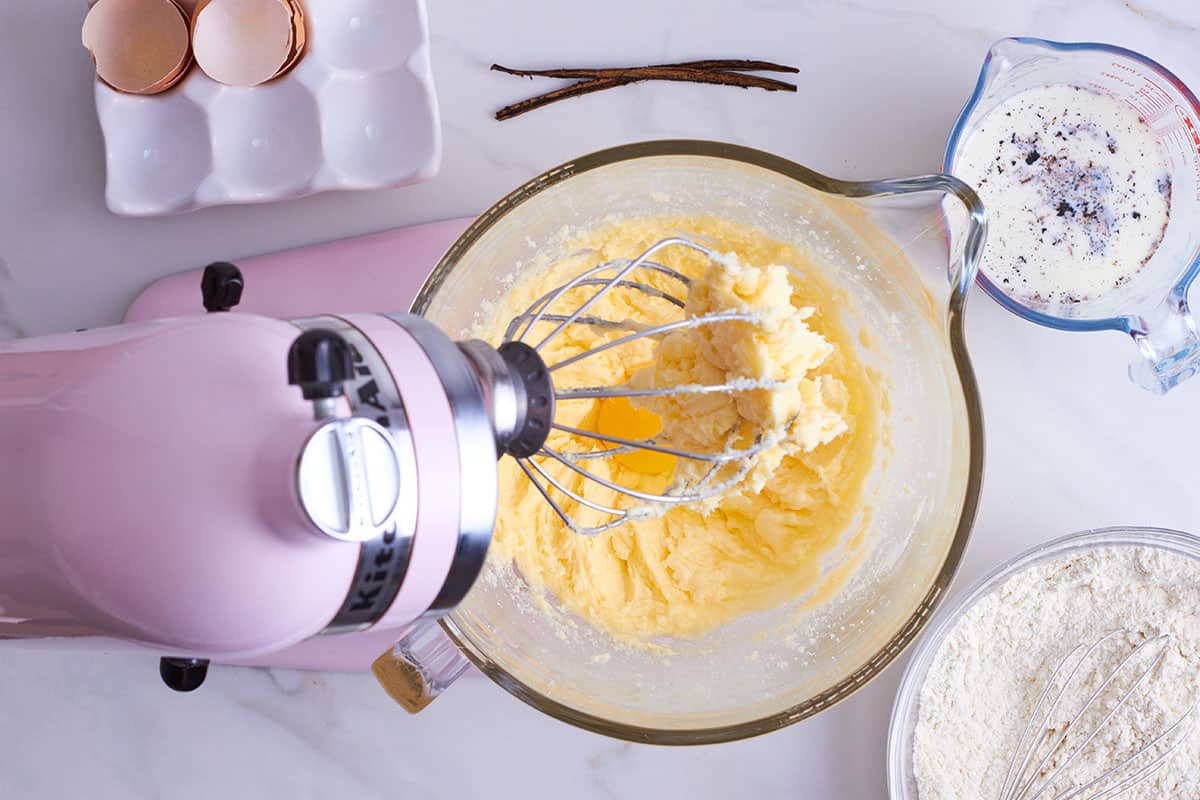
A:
{"x":1077,"y":190}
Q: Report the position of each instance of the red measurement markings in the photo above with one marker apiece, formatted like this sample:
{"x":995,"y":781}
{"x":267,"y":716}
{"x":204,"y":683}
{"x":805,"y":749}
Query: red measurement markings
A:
{"x":1193,"y":133}
{"x":1153,"y":102}
{"x":1121,"y":79}
{"x":1155,"y":99}
{"x":1189,"y":132}
{"x":1132,"y":102}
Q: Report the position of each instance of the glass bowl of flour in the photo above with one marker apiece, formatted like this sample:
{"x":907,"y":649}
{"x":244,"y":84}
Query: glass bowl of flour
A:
{"x":976,"y":678}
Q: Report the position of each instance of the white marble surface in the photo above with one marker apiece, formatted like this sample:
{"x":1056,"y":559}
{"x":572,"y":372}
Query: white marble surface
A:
{"x":1071,"y":444}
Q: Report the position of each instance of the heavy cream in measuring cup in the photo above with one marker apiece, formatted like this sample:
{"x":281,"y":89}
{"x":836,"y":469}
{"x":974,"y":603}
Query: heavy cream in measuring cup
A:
{"x":1077,"y":193}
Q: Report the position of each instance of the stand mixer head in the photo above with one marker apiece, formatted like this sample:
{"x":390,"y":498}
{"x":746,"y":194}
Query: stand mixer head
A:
{"x":383,"y":510}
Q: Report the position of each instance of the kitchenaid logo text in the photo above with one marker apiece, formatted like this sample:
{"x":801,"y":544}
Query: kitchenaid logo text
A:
{"x":375,"y":573}
{"x":366,"y":391}
{"x":382,"y":561}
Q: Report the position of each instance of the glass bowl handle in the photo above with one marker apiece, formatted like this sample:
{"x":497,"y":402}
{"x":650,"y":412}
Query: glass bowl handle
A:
{"x":421,"y":665}
{"x":1169,"y":344}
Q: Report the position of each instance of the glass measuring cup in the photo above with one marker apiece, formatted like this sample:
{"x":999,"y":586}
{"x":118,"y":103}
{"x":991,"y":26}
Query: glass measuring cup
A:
{"x":1152,"y":307}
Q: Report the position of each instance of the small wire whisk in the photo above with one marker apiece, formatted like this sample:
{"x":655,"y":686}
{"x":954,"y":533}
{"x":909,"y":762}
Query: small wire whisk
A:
{"x":1048,"y":750}
{"x":723,"y":468}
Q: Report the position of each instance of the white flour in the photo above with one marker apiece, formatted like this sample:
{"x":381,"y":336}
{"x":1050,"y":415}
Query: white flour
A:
{"x":988,"y":674}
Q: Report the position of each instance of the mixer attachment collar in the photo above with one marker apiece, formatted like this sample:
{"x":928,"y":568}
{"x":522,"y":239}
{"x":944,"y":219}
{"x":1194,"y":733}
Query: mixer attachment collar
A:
{"x":532,"y":378}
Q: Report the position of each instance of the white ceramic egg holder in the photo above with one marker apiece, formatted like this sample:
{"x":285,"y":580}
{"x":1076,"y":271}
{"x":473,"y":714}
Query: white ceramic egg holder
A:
{"x":358,"y":112}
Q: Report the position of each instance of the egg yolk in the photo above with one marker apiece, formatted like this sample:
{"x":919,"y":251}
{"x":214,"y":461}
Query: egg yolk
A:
{"x":618,"y":417}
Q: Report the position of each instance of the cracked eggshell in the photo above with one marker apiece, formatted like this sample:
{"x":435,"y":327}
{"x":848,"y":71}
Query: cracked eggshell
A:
{"x":245,"y":42}
{"x":299,"y":36}
{"x":139,"y":46}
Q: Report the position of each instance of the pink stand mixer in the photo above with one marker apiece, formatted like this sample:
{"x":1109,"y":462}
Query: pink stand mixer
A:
{"x":194,"y":511}
{"x":370,"y":481}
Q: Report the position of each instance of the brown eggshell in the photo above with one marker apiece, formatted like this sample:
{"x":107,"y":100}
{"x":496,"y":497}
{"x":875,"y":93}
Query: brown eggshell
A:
{"x":299,"y":38}
{"x":139,"y":46}
{"x":243,"y":42}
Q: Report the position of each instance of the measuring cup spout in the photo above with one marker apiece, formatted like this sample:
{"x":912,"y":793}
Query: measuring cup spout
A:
{"x":1169,"y":344}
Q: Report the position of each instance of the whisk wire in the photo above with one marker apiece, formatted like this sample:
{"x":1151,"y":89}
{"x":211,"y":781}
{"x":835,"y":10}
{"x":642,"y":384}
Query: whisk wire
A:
{"x":624,"y":390}
{"x":658,"y":330}
{"x":1103,"y":723}
{"x":578,"y":498}
{"x":1020,"y":780}
{"x":1146,"y":772}
{"x":1034,"y":718}
{"x":1022,"y":789}
{"x":683,"y":497}
{"x":595,"y":322}
{"x":604,"y":290}
{"x":619,"y":516}
{"x":638,"y":286}
{"x":651,"y":445}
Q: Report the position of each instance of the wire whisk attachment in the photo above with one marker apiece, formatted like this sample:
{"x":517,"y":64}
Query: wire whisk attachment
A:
{"x":1069,"y":717}
{"x":704,"y":473}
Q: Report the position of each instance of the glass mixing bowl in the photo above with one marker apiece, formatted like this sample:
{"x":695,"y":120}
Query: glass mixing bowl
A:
{"x":902,"y":783}
{"x":905,"y":251}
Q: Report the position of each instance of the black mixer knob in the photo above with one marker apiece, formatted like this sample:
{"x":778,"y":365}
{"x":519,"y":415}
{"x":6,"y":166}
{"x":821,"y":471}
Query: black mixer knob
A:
{"x":183,"y":674}
{"x":221,"y":286}
{"x":319,"y":362}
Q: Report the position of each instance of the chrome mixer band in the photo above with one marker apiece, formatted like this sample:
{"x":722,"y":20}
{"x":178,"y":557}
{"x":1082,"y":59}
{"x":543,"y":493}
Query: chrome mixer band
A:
{"x":477,"y":454}
{"x":373,"y":394}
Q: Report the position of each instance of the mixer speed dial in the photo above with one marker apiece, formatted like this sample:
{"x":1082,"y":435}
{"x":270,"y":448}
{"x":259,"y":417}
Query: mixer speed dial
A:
{"x":349,"y":479}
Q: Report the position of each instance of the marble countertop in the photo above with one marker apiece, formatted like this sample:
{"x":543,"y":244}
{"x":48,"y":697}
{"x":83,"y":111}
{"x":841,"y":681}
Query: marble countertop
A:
{"x":1071,"y":443}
